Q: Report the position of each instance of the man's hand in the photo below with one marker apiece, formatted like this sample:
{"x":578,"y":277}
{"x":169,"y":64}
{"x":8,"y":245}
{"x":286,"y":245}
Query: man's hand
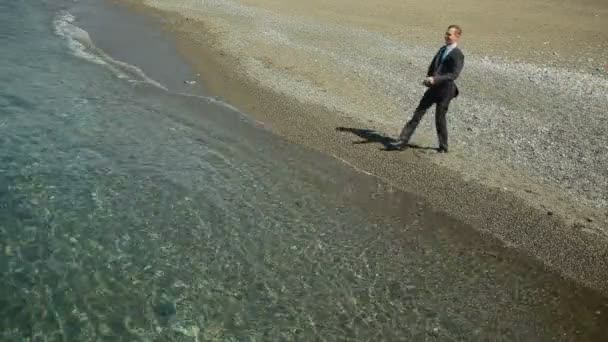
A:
{"x":429,"y":81}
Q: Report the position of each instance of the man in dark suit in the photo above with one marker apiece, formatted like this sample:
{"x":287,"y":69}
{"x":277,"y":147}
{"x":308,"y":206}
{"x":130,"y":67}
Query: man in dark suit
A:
{"x":443,"y":71}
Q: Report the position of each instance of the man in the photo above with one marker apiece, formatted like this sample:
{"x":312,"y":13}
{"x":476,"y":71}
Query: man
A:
{"x":443,"y":71}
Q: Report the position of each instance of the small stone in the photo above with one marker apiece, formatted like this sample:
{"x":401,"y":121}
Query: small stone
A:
{"x":180,"y":283}
{"x":550,"y":213}
{"x":104,"y":329}
{"x":589,"y":219}
{"x":165,"y":309}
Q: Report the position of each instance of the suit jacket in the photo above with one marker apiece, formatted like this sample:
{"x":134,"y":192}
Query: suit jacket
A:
{"x":446,"y":72}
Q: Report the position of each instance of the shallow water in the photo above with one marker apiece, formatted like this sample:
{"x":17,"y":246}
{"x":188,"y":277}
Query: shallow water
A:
{"x":129,"y":212}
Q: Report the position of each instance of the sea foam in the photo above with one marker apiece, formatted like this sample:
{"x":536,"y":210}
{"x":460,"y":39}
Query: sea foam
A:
{"x":81,"y":45}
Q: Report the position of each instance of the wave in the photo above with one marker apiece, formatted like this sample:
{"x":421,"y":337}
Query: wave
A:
{"x":81,"y":45}
{"x":243,"y":116}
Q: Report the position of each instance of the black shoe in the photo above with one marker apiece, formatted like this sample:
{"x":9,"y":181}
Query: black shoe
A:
{"x":396,"y":146}
{"x":442,"y":150}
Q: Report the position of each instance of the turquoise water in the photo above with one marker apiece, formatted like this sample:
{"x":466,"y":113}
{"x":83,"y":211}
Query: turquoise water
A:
{"x":131,"y":213}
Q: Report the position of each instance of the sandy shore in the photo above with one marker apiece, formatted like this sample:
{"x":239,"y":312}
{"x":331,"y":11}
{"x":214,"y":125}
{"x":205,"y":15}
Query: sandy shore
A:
{"x":529,"y":162}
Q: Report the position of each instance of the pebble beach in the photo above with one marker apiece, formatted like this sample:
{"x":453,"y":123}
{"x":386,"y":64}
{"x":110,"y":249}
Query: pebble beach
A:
{"x":529,"y":122}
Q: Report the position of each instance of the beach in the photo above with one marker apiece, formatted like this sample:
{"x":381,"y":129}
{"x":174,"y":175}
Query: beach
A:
{"x":152,"y":188}
{"x":529,"y":161}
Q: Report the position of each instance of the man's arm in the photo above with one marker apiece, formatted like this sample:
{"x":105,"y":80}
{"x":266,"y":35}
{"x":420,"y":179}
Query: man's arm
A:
{"x":431,"y":67}
{"x":454,"y":73}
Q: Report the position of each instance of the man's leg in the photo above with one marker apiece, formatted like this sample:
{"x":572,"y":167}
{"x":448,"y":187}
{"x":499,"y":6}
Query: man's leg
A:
{"x":408,"y":130}
{"x":441,"y":124}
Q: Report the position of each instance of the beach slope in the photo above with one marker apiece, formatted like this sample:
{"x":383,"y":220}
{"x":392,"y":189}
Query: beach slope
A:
{"x":529,"y":161}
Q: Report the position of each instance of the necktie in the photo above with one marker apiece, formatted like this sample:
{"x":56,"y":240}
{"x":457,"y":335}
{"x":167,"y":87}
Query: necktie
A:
{"x":444,"y":51}
{"x":440,"y":56}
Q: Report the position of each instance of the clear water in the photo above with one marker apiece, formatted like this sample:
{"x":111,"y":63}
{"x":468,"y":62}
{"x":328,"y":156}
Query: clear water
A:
{"x":130,"y":213}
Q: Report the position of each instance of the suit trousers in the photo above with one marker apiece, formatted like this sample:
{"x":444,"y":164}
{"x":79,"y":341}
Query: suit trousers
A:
{"x":441,"y":97}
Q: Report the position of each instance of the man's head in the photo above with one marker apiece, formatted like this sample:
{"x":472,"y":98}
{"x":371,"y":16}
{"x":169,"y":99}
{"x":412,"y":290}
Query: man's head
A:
{"x":452,"y":35}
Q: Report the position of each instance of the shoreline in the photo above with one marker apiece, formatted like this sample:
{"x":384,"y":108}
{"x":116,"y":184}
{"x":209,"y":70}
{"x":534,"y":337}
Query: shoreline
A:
{"x":568,"y":244}
{"x":503,"y":128}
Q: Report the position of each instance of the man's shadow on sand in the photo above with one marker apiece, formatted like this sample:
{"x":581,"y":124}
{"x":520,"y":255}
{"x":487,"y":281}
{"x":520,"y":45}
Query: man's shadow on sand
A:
{"x":371,"y":136}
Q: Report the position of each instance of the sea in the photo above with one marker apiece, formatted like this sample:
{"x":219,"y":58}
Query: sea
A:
{"x":135,"y":207}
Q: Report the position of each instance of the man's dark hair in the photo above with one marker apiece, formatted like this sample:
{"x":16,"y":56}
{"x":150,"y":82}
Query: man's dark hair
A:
{"x":458,"y":29}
